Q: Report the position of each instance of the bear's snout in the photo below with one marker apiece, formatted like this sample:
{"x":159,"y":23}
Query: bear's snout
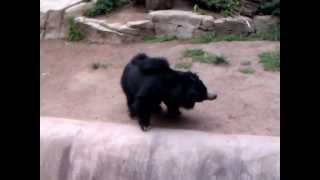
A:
{"x":212,"y":96}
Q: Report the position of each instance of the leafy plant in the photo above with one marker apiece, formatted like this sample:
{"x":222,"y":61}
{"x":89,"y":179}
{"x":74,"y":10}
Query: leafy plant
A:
{"x":199,"y":55}
{"x":104,"y":6}
{"x":227,"y":7}
{"x":160,"y":38}
{"x":270,"y":60}
{"x":247,"y":70}
{"x":270,"y":7}
{"x":203,"y":38}
{"x":74,"y":32}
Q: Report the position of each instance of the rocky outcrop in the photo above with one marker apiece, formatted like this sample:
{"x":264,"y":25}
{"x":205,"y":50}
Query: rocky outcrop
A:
{"x":99,"y":31}
{"x":234,"y":25}
{"x":264,"y":24}
{"x":185,"y":24}
{"x":54,"y":16}
{"x":76,"y":150}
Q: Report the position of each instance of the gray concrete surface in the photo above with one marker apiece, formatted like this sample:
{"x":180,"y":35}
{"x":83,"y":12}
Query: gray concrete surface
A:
{"x":81,"y":150}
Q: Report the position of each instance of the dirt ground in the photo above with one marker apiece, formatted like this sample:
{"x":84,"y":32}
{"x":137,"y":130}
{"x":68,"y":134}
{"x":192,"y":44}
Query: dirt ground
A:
{"x":246,"y":104}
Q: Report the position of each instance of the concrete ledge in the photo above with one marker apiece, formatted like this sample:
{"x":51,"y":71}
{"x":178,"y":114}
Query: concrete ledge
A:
{"x":81,"y":150}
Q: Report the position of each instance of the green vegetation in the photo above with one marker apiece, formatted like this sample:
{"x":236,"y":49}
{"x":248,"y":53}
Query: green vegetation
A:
{"x":104,"y":6}
{"x":247,"y":70}
{"x":74,"y":33}
{"x":273,"y":35}
{"x":204,"y":38}
{"x":226,"y":7}
{"x":183,"y":65}
{"x":160,"y":38}
{"x":270,"y":60}
{"x":270,"y":7}
{"x":232,"y":7}
{"x":199,"y":55}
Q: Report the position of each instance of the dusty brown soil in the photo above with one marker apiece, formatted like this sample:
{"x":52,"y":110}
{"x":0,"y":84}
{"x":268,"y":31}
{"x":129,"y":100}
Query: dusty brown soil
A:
{"x":246,"y":104}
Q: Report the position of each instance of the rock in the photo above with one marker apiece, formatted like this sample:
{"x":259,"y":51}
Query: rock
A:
{"x":158,"y":4}
{"x":53,"y":25}
{"x":143,"y":24}
{"x":265,"y":23}
{"x":78,"y":150}
{"x":177,"y":22}
{"x":177,"y":17}
{"x":186,"y":24}
{"x":54,"y":16}
{"x":207,"y":23}
{"x":78,"y":10}
{"x":98,"y":31}
{"x":249,"y":7}
{"x":234,"y":25}
{"x":43,"y":19}
{"x":145,"y":27}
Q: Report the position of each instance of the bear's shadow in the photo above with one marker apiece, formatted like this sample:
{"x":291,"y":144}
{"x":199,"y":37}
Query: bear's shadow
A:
{"x":184,"y":121}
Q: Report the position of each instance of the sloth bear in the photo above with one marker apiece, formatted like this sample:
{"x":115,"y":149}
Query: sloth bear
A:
{"x":147,"y":82}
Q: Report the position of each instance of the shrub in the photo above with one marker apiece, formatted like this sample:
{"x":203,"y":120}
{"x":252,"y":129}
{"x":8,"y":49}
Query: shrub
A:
{"x":199,"y":55}
{"x":247,"y":70}
{"x":270,"y":7}
{"x":270,"y":60}
{"x":227,"y":7}
{"x":203,"y":38}
{"x":160,"y":38}
{"x":103,"y":6}
{"x":74,"y":33}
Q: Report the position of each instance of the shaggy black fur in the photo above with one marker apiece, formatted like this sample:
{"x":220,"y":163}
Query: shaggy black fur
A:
{"x":148,"y":81}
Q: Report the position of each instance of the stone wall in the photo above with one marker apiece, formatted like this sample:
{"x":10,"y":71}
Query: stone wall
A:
{"x":87,"y":150}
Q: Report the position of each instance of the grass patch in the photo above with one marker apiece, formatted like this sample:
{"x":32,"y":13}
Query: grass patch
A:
{"x":270,"y":60}
{"x":183,"y":65}
{"x":160,"y":38}
{"x":96,"y":66}
{"x":203,"y":38}
{"x":272,"y":35}
{"x":247,"y":70}
{"x":199,"y":55}
{"x":74,"y":33}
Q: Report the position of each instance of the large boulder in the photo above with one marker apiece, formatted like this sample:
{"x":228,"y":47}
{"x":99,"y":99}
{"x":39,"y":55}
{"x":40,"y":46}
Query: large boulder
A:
{"x":186,"y":24}
{"x":176,"y":22}
{"x":78,"y":150}
{"x":234,"y":25}
{"x":265,"y":23}
{"x":99,"y":31}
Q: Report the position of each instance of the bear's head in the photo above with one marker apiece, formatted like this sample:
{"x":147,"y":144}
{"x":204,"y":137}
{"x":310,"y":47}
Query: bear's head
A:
{"x":194,"y":90}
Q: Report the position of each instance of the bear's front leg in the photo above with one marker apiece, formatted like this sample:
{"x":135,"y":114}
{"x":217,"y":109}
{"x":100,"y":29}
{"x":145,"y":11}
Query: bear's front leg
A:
{"x":173,"y":110}
{"x":143,"y":112}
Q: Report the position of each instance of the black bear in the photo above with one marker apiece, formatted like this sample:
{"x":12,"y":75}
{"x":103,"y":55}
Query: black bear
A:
{"x":148,"y":81}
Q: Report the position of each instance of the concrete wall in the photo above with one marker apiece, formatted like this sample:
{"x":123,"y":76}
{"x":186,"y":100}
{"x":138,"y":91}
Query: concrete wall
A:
{"x":83,"y":150}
